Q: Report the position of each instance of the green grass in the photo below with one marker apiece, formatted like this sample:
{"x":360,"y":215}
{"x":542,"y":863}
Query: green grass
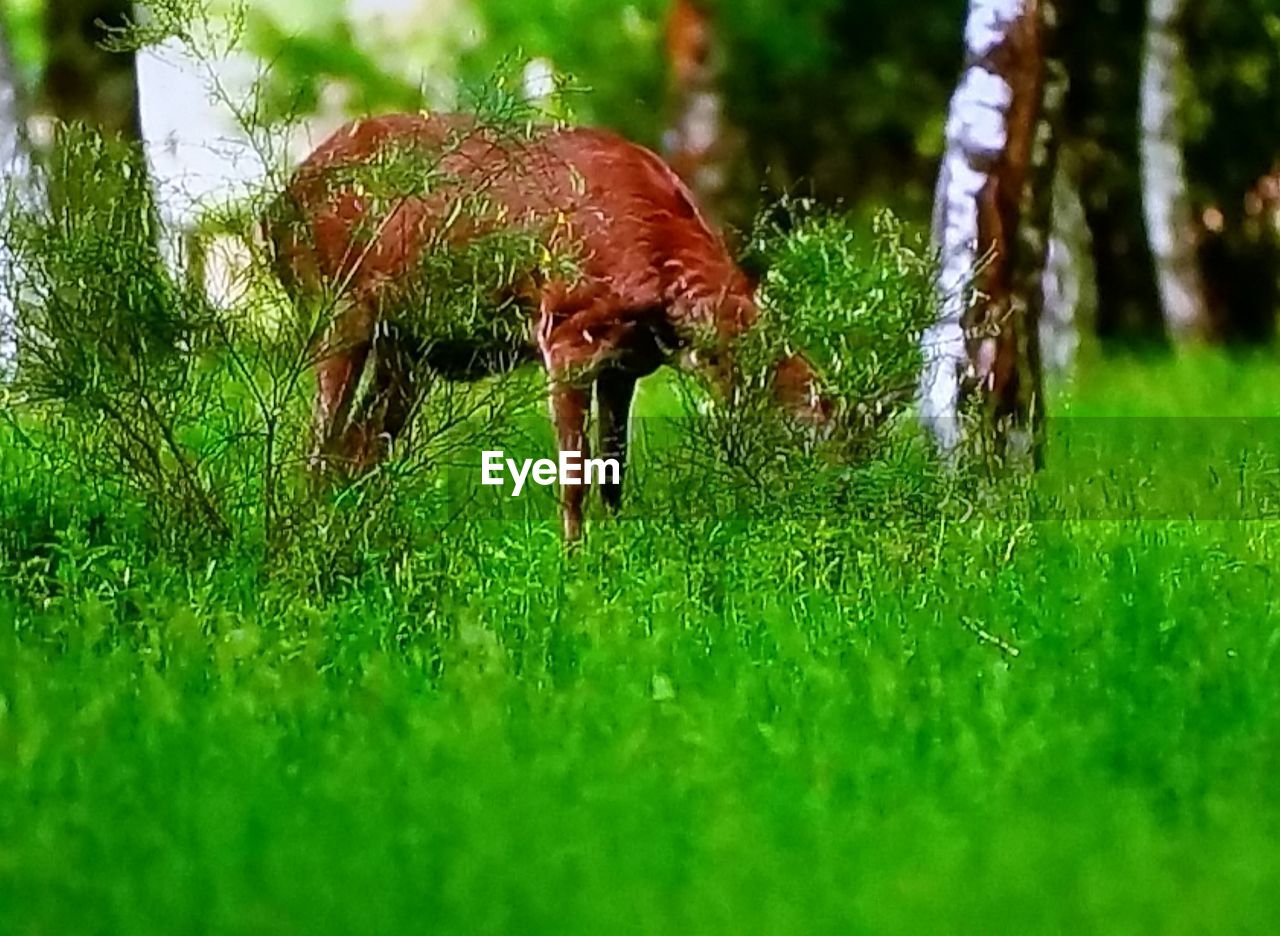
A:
{"x":702,"y":725}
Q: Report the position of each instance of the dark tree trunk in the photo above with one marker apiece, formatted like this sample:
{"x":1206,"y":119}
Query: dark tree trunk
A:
{"x":991,"y":221}
{"x":83,"y":81}
{"x":1101,"y":46}
{"x":87,"y":83}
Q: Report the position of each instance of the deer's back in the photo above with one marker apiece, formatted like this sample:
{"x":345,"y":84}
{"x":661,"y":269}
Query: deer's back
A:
{"x":631,"y":227}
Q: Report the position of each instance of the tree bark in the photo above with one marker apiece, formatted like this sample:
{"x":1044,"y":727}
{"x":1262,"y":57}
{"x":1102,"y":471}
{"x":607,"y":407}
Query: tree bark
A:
{"x":696,"y":143}
{"x":1070,"y":292}
{"x":990,"y":225}
{"x":1166,"y":200}
{"x":15,"y":169}
{"x":82,"y":80}
{"x":1101,"y":45}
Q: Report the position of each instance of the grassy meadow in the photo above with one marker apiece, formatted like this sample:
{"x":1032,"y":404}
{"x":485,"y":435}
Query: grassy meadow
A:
{"x":988,"y":706}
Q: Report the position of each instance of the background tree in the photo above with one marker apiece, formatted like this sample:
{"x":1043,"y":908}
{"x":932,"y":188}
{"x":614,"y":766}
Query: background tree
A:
{"x":82,"y":80}
{"x":613,"y":49}
{"x":1230,"y":110}
{"x":990,"y":224}
{"x":1101,"y":46}
{"x":842,"y":101}
{"x":1069,"y":287}
{"x":15,"y":167}
{"x":696,"y":143}
{"x":90,"y":79}
{"x":1166,"y":199}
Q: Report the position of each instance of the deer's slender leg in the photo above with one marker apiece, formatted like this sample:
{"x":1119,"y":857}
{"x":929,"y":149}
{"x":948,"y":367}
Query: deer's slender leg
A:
{"x":614,"y":392}
{"x":578,"y":334}
{"x":340,"y":365}
{"x":398,"y":383}
{"x":380,"y":414}
{"x":569,"y":408}
{"x":337,"y":377}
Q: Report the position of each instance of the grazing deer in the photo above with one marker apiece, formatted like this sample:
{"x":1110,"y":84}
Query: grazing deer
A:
{"x":652,"y":282}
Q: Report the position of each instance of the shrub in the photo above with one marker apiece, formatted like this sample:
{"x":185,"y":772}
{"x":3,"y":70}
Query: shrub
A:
{"x":200,"y":412}
{"x":854,"y":300}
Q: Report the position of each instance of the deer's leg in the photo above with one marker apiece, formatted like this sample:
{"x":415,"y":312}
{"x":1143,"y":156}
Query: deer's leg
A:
{"x":576,"y":335}
{"x":614,"y":392}
{"x":569,"y":408}
{"x":399,"y":390}
{"x":382,"y":409}
{"x":340,"y":365}
{"x":337,"y":377}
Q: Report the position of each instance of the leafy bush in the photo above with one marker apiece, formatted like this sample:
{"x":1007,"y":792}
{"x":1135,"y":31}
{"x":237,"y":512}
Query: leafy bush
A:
{"x":856,"y":300}
{"x":133,"y":378}
{"x":199,"y":413}
{"x":110,"y":342}
{"x":853,"y":300}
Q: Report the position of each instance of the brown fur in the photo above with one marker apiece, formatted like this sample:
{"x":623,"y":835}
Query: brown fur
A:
{"x":655,"y":283}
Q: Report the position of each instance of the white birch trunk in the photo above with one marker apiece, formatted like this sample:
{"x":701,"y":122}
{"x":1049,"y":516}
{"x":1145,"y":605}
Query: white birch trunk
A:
{"x":976,"y":137}
{"x":198,"y":157}
{"x":1166,"y":200}
{"x":15,"y":173}
{"x":1070,"y":290}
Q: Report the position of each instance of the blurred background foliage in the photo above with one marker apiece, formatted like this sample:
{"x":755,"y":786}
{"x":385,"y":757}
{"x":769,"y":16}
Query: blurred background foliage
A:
{"x":840,"y":100}
{"x":22,"y":18}
{"x":845,"y":102}
{"x":1233,"y":113}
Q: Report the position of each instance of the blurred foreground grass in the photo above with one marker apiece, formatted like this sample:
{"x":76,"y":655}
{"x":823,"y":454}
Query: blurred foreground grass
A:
{"x":989,"y":720}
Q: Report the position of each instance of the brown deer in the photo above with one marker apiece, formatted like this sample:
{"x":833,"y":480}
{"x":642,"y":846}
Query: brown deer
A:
{"x":652,"y":282}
